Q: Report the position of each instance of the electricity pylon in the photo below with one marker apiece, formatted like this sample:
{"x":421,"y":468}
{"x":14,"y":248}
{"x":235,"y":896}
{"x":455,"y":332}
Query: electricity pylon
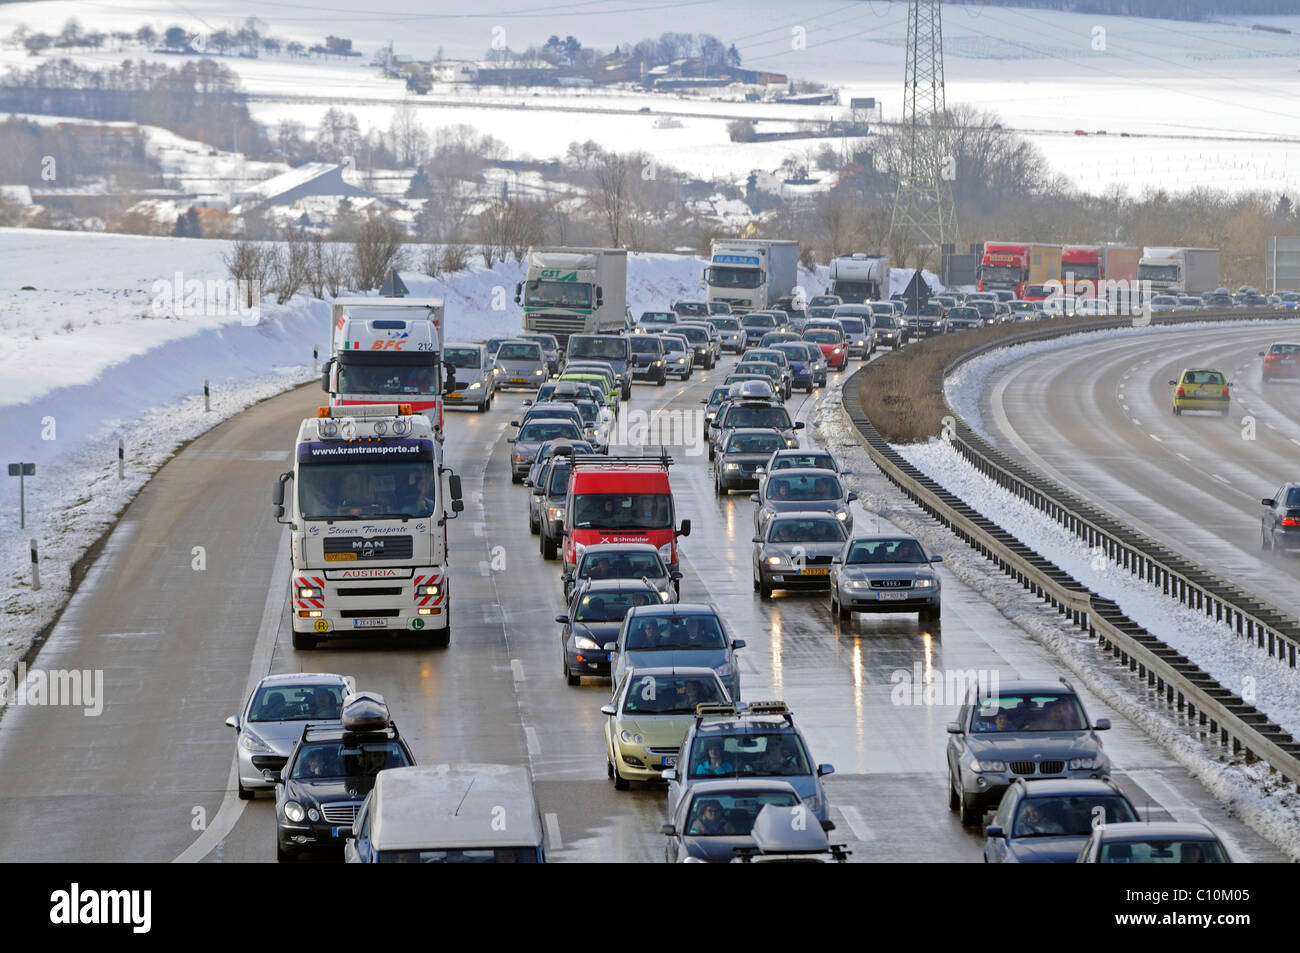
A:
{"x":923,"y":207}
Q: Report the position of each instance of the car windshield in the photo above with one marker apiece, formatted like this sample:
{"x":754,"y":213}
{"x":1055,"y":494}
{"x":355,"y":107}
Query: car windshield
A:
{"x":470,"y":357}
{"x":297,"y":703}
{"x":824,"y":312}
{"x":886,"y":551}
{"x":754,"y":443}
{"x":671,"y":694}
{"x":766,"y":368}
{"x":558,"y":482}
{"x":1209,"y":378}
{"x":1164,"y":299}
{"x":519,"y":351}
{"x":1162,"y":851}
{"x":538,"y":431}
{"x":557,"y":294}
{"x":387,"y":379}
{"x":1020,"y":306}
{"x":647,"y":344}
{"x":1041,"y":711}
{"x":655,"y":633}
{"x":775,"y":417}
{"x":806,"y":531}
{"x":985,"y":308}
{"x":620,"y":565}
{"x":361,"y":490}
{"x":1069,"y":815}
{"x":793,"y":352}
{"x":1293,"y":496}
{"x":758,"y":321}
{"x":885,"y":321}
{"x":692,"y":308}
{"x":1284,"y":349}
{"x":797,"y":486}
{"x":725,"y":324}
{"x":804,"y":461}
{"x":722,"y":815}
{"x":598,"y":348}
{"x":970,"y":314}
{"x":612,"y":606}
{"x":322,"y":760}
{"x":494,"y":344}
{"x":852,"y":325}
{"x":673,"y":345}
{"x":658,"y":317}
{"x":588,"y":410}
{"x":622,"y":511}
{"x":694,"y":335}
{"x":764,"y":357}
{"x":547,"y":341}
{"x":715,"y":398}
{"x":825,"y":336}
{"x":775,"y":754}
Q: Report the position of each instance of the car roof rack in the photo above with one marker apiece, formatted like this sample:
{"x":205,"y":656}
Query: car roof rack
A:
{"x":713,"y":709}
{"x":590,"y":460}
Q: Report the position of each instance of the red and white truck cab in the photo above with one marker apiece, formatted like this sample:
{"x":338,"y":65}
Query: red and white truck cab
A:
{"x":621,"y":500}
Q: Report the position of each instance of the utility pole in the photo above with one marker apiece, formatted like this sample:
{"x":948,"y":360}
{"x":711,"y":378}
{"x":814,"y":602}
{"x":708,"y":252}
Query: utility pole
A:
{"x":923,"y":206}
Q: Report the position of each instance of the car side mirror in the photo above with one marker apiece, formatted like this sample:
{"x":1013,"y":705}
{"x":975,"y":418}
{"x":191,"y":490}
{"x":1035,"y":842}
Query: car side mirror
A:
{"x":519,"y":292}
{"x":1261,"y":353}
{"x":738,"y":644}
{"x":825,"y":769}
{"x":686,"y":528}
{"x":668,"y":830}
{"x":1103,"y":724}
{"x":514,"y":423}
{"x":511,"y":440}
{"x":610,"y":647}
{"x":453,"y":486}
{"x":1173,"y":383}
{"x":798,"y":425}
{"x":608,"y":710}
{"x":753,"y":497}
{"x":936,"y":559}
{"x":670,"y":774}
{"x":828,"y":826}
{"x":233,"y":722}
{"x":562,"y":619}
{"x":851,"y":497}
{"x":995,"y":832}
{"x":756,"y":539}
{"x":458,"y":506}
{"x":1269,"y":503}
{"x":846,"y":473}
{"x":954,"y":728}
{"x":325,"y":379}
{"x":675,"y":574}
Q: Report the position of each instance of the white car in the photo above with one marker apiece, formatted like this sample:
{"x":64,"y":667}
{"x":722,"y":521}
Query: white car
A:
{"x":1093,"y":307}
{"x":1163,"y":304}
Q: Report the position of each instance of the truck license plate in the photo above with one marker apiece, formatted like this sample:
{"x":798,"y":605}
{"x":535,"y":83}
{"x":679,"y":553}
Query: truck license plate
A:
{"x":368,"y":623}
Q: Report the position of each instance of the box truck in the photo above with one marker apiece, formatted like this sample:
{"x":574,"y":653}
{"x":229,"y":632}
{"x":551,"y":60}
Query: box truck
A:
{"x":575,"y":291}
{"x":751,"y":274}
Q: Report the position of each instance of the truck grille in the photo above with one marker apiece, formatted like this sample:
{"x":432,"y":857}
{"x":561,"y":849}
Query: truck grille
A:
{"x":384,"y":547}
{"x":378,"y":591}
{"x":561,"y":325}
{"x":341,"y":812}
{"x":370,"y":613}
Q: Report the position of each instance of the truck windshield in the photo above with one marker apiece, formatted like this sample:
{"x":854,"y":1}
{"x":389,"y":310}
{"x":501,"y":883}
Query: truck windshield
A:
{"x":599,"y":349}
{"x":1157,"y":272}
{"x":388,"y":379}
{"x":720,"y":277}
{"x":1080,"y":270}
{"x":1001,"y":273}
{"x":363,"y":490}
{"x":854,"y":288}
{"x":622,"y":511}
{"x":557,"y":294}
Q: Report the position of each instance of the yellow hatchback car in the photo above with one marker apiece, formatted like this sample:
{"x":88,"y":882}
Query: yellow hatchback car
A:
{"x":1201,"y":389}
{"x":649,"y":715}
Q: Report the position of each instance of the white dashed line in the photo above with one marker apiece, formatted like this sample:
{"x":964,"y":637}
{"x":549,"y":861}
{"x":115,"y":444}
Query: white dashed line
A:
{"x":1155,"y":438}
{"x":1221,"y":479}
{"x":534,"y":745}
{"x":1136,"y":421}
{"x":1184,"y":458}
{"x":517,"y":669}
{"x":553,"y":832}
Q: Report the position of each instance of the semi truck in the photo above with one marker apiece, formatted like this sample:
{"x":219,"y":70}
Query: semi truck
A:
{"x":575,"y":291}
{"x":1085,"y":268}
{"x":1191,"y":271}
{"x":368,"y":526}
{"x":1012,"y":266}
{"x":751,"y":274}
{"x":858,"y":278}
{"x":384,"y":350}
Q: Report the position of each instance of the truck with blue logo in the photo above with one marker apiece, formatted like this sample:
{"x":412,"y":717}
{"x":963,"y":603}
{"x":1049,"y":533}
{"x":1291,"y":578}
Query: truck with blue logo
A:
{"x":575,"y":291}
{"x":751,"y":274}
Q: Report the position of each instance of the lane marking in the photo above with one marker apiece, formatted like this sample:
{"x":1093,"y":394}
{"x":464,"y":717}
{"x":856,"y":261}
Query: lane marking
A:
{"x":1136,"y":421}
{"x":1184,"y":458}
{"x":1221,"y":479}
{"x":533,"y":742}
{"x":232,"y":807}
{"x":853,"y":817}
{"x":517,"y":669}
{"x":553,"y":831}
{"x":1155,"y":438}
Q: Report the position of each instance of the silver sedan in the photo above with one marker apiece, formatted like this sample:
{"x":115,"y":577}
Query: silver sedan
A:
{"x":884,"y":574}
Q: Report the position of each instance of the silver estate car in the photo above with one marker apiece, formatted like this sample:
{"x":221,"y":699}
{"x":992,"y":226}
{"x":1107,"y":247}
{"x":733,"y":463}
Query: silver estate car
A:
{"x":476,"y":381}
{"x":273,"y":718}
{"x":522,"y":364}
{"x":789,"y":490}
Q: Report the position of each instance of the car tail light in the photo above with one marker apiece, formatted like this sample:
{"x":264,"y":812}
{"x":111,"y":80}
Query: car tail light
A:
{"x":1225,"y":392}
{"x":1180,"y":392}
{"x":1269,"y":357}
{"x":1290,"y":521}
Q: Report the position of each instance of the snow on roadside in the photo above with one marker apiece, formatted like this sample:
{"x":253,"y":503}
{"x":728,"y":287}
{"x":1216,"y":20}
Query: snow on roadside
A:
{"x":1266,"y":804}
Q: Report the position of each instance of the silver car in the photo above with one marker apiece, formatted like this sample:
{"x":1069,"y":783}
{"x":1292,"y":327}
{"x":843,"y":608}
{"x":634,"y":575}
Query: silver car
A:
{"x":796,"y":552}
{"x":884,"y":574}
{"x":789,"y":491}
{"x":752,"y":413}
{"x":677,"y":635}
{"x":274,"y":716}
{"x":522,"y":364}
{"x":530,"y":438}
{"x":728,"y":327}
{"x":476,"y":383}
{"x":678,"y":356}
{"x":550,"y":349}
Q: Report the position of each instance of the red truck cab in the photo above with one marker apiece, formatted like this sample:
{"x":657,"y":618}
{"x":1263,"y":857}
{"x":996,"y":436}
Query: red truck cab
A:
{"x":621,"y":500}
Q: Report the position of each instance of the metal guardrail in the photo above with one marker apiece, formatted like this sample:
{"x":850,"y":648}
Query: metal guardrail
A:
{"x":1192,"y":695}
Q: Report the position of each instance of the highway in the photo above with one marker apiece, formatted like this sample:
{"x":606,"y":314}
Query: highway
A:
{"x":151,"y":778}
{"x":1097,"y":417}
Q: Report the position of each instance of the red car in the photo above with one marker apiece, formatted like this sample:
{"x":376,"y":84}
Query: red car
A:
{"x":832,"y":344}
{"x":1281,"y":361}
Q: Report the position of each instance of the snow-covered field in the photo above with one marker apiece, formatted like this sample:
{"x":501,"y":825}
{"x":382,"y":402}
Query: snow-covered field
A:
{"x":1200,"y":90}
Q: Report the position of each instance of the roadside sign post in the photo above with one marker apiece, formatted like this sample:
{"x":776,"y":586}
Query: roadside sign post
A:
{"x":21,"y":471}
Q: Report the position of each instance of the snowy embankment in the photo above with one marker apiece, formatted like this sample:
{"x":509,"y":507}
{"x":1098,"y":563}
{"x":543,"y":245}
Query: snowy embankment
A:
{"x":99,"y":351}
{"x":1267,"y":804}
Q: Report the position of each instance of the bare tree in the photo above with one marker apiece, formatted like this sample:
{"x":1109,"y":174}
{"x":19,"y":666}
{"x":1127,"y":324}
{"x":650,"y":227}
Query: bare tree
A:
{"x":378,"y":246}
{"x":612,"y":173}
{"x":410,"y":141}
{"x":250,"y":262}
{"x":291,"y":265}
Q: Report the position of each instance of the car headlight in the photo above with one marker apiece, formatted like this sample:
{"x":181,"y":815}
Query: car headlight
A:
{"x":837,"y":350}
{"x":860,"y":343}
{"x":1085,"y":764}
{"x":555,"y":514}
{"x":814,"y":803}
{"x":309,"y":592}
{"x":681,"y":360}
{"x":630,"y":738}
{"x":841,"y":515}
{"x":776,"y":560}
{"x":584,"y":643}
{"x":791,"y":443}
{"x":731,"y":466}
{"x":666,"y":552}
{"x":657,"y":364}
{"x":859,"y":583}
{"x":666,"y":596}
{"x":539,"y":372}
{"x":725,"y":671}
{"x":476,"y":385}
{"x":923,"y":584}
{"x":293,"y":811}
{"x":250,"y":742}
{"x":983,"y":767}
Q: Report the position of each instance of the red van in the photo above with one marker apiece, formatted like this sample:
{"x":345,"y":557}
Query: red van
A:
{"x":621,"y":500}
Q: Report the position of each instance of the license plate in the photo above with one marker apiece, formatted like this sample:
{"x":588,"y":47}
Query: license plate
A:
{"x":814,"y":572}
{"x":669,"y":761}
{"x":891,"y":596}
{"x":518,"y":380}
{"x":368,"y":623}
{"x":455,"y":396}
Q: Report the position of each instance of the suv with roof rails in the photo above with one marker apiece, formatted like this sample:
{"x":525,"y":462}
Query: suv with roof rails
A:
{"x":754,"y":740}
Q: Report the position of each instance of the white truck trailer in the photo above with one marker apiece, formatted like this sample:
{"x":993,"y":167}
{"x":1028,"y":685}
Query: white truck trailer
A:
{"x":1191,"y":271}
{"x":368,"y":526}
{"x":857,"y":278}
{"x":575,"y":291}
{"x":751,"y":274}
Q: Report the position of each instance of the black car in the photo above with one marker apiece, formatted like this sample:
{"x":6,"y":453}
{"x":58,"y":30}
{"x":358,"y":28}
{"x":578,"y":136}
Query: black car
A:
{"x":1048,"y":822}
{"x":1280,"y":523}
{"x":329,"y":773}
{"x":648,"y":359}
{"x":740,"y":453}
{"x":594,"y":618}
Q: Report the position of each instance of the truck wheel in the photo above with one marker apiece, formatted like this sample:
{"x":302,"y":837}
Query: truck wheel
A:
{"x":304,"y":640}
{"x":438,"y":638}
{"x":548,"y":548}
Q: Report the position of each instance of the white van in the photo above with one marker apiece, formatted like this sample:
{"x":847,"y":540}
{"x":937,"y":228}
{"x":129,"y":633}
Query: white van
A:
{"x":449,"y":813}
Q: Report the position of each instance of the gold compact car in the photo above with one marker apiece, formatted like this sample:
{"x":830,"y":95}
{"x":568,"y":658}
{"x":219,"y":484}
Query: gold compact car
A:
{"x":1201,"y":389}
